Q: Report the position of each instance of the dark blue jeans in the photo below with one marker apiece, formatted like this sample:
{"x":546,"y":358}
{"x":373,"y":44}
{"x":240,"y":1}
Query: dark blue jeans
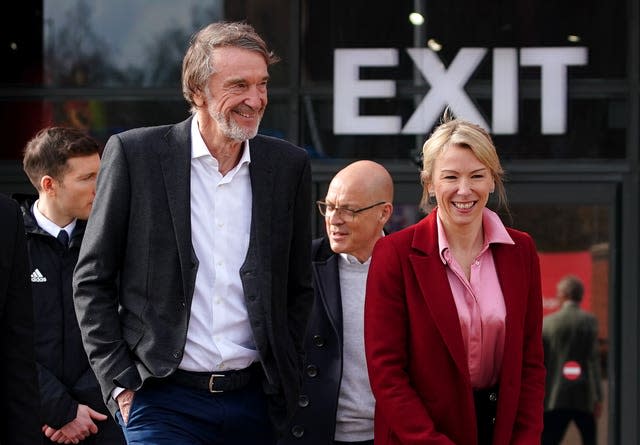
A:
{"x":169,"y":414}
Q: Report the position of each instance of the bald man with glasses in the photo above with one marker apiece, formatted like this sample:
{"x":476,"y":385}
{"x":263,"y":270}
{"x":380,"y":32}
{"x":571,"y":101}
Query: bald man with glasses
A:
{"x":336,"y":405}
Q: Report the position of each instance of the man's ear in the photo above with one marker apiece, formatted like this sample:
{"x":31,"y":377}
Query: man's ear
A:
{"x":198,"y":99}
{"x":47,"y":184}
{"x":387,"y":211}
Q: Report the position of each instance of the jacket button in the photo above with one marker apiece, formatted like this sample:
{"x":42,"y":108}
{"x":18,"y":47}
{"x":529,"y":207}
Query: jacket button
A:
{"x":318,"y":341}
{"x":493,"y":420}
{"x":493,"y":396}
{"x":303,"y":401}
{"x":177,"y":354}
{"x":312,"y":370}
{"x":297,"y":431}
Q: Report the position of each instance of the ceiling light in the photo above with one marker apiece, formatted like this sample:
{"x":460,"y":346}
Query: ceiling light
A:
{"x":434,"y":45}
{"x":416,"y":18}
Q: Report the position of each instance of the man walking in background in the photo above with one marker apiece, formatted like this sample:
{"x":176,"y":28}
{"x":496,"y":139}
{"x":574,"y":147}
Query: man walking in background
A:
{"x":573,"y":389}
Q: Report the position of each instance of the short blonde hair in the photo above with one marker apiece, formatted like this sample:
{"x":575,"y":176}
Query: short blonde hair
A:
{"x":464,"y":134}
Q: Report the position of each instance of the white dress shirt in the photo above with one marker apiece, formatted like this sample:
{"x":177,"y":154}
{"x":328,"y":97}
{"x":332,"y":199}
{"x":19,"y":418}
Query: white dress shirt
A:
{"x":219,"y":335}
{"x":49,"y":226}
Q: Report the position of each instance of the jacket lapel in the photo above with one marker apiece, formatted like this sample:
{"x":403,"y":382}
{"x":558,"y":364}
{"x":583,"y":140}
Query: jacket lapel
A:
{"x":432,"y":278}
{"x":327,"y":285}
{"x":260,"y":171}
{"x":509,"y":272}
{"x":175,"y":159}
{"x":256,"y":270}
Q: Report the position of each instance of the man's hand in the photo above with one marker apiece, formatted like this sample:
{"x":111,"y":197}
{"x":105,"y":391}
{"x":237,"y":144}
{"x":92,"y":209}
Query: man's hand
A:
{"x":49,"y":432}
{"x":78,"y":429}
{"x":124,"y":399}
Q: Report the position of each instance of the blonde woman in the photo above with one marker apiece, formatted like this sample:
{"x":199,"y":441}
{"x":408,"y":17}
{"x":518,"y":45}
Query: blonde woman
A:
{"x":453,"y":310}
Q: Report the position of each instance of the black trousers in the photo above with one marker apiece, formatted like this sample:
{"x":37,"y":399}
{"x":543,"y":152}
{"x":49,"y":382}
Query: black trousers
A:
{"x":486,"y":401}
{"x":557,"y":421}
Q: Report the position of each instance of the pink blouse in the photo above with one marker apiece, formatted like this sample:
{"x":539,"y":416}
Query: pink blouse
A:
{"x":480,"y":303}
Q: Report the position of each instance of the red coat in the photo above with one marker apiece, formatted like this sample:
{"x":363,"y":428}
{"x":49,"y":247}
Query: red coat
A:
{"x":415,"y":353}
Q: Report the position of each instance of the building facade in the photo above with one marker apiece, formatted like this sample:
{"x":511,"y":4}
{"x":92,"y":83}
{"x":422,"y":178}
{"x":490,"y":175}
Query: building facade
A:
{"x":556,"y":84}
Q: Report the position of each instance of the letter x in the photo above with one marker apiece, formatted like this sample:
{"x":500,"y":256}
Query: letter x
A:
{"x":447,"y":88}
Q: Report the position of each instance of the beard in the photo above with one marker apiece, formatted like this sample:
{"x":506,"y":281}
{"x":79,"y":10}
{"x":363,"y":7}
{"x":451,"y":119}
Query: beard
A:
{"x":231,"y":129}
{"x":228,"y":126}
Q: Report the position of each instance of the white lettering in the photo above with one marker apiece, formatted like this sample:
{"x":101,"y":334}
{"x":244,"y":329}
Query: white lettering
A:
{"x":348,"y":89}
{"x":554,"y":62}
{"x":447,"y":88}
{"x":504,"y":106}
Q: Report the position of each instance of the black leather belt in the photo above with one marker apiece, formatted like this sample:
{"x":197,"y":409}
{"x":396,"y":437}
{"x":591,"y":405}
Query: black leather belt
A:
{"x":215,"y":382}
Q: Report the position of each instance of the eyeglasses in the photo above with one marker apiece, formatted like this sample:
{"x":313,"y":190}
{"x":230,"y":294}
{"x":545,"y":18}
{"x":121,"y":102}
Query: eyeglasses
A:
{"x":346,"y":214}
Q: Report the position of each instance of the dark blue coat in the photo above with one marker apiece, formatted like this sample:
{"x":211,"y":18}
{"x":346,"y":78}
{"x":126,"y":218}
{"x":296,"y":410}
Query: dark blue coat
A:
{"x":315,"y":421}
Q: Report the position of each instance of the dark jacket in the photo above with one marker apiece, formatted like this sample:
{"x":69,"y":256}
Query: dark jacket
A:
{"x":571,"y":335}
{"x":135,"y":278}
{"x":65,"y":376}
{"x":315,"y":421}
{"x":19,"y":400}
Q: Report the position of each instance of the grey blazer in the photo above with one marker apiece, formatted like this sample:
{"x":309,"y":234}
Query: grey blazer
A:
{"x":134,"y":281}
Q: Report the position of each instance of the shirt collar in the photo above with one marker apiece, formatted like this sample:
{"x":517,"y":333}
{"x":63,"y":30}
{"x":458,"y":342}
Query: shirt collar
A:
{"x":199,"y":148}
{"x":350,"y":259}
{"x":494,"y":233}
{"x":353,"y":260}
{"x":49,"y":226}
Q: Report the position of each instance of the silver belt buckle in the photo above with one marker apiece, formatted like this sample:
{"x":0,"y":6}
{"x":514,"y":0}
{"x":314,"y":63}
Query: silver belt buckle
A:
{"x":211,"y":379}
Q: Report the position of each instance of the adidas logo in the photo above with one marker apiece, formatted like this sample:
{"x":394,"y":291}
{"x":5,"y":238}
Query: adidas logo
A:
{"x":37,"y":277}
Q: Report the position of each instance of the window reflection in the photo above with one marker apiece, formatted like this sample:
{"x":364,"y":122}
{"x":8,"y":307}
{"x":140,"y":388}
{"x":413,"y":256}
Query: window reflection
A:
{"x":574,"y":239}
{"x":120,"y":42}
